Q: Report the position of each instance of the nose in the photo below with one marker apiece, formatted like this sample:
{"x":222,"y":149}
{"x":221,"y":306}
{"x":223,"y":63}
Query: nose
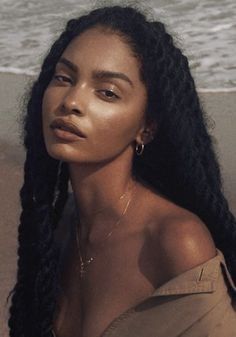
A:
{"x":73,"y":101}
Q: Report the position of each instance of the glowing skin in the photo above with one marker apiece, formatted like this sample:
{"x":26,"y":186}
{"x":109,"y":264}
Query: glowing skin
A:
{"x":108,"y":108}
{"x":97,"y":87}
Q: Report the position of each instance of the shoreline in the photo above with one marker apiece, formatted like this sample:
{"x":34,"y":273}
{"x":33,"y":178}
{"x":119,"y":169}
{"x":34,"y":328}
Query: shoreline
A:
{"x":220,"y":108}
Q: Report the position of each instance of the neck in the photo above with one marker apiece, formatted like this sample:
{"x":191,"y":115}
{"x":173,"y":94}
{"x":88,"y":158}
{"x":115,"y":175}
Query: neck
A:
{"x":97,"y":190}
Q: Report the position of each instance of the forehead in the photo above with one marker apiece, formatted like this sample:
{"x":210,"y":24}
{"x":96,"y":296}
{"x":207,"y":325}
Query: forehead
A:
{"x":101,"y":48}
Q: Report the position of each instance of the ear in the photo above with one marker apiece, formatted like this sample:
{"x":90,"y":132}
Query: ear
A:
{"x":146,"y":133}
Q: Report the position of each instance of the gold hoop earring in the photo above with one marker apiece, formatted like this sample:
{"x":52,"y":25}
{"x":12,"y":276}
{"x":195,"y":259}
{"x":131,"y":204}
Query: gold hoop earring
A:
{"x":139,"y":149}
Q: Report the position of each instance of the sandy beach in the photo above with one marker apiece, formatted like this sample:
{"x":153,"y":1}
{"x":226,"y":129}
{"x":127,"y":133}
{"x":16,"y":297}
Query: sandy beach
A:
{"x":220,"y":107}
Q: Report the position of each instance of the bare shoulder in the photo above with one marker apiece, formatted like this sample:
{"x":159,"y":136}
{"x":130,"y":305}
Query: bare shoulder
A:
{"x":180,"y":240}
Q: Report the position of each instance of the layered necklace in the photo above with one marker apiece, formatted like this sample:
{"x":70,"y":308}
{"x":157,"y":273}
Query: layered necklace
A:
{"x":85,"y":263}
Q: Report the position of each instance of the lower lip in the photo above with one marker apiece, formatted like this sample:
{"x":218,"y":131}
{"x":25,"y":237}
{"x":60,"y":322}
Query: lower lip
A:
{"x":66,"y":135}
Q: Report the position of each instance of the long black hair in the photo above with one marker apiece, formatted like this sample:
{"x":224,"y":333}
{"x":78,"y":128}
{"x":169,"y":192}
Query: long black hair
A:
{"x":180,"y":162}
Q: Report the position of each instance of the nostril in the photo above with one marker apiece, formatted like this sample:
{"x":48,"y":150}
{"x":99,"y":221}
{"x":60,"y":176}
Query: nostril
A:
{"x":76,"y":110}
{"x":68,"y":108}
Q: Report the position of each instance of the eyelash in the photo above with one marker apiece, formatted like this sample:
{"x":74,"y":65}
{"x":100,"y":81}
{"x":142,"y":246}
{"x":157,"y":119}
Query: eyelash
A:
{"x":114,"y":96}
{"x":61,"y":78}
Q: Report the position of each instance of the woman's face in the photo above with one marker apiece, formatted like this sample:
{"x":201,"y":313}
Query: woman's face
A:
{"x":96,"y":88}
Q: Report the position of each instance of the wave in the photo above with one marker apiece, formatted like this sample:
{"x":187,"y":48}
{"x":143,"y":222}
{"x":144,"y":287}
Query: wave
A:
{"x":216,"y":90}
{"x":17,"y":71}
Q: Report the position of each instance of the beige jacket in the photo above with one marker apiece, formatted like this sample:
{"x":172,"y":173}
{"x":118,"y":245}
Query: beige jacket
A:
{"x":196,"y":303}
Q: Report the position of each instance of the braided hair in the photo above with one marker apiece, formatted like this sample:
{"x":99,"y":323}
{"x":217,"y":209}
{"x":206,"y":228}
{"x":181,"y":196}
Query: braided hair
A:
{"x":180,"y":162}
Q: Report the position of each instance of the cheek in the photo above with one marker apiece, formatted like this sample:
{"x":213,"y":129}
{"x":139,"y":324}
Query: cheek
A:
{"x":131,"y":119}
{"x":48,"y":106}
{"x":121,"y":126}
{"x":47,"y":112}
{"x":45,"y":106}
{"x":47,"y":102}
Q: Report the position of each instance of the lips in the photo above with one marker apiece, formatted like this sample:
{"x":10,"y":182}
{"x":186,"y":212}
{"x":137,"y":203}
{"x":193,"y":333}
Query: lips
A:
{"x":61,"y":124}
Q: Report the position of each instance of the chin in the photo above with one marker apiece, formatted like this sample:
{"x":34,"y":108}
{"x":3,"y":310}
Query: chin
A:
{"x":62,"y":152}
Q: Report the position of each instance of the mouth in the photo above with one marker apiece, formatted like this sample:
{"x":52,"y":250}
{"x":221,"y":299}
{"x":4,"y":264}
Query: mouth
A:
{"x":64,"y":127}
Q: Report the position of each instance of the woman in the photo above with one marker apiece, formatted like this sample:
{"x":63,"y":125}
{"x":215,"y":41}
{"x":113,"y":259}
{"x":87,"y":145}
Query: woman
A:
{"x":140,"y":249}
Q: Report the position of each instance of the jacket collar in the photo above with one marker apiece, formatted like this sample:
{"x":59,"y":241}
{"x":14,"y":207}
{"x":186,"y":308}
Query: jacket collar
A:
{"x":200,"y":279}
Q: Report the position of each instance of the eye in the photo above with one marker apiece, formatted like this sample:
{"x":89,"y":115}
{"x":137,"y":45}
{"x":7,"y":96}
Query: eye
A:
{"x":62,"y":78}
{"x":108,"y":94}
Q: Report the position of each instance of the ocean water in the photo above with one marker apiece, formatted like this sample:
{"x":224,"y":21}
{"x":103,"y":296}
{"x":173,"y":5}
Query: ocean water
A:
{"x":205,"y":30}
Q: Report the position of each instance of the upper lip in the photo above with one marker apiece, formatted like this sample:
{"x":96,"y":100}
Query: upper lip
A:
{"x":60,"y":123}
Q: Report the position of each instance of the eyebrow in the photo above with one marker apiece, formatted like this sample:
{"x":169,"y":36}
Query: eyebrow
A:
{"x":69,"y":64}
{"x":105,"y":74}
{"x":98,"y":74}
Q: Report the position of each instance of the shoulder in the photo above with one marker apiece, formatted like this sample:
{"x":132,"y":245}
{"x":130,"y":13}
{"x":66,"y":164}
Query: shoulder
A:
{"x":181,"y":241}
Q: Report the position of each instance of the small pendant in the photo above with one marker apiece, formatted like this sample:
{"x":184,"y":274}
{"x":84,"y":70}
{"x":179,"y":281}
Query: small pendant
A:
{"x":82,"y":273}
{"x":86,"y":263}
{"x":82,"y":269}
{"x":83,"y":265}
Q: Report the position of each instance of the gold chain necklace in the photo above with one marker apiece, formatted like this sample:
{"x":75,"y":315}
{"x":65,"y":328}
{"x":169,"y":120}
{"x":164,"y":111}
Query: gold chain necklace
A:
{"x":84,"y":264}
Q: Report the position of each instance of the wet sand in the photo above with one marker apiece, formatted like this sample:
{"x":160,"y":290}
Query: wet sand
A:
{"x":219,"y":105}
